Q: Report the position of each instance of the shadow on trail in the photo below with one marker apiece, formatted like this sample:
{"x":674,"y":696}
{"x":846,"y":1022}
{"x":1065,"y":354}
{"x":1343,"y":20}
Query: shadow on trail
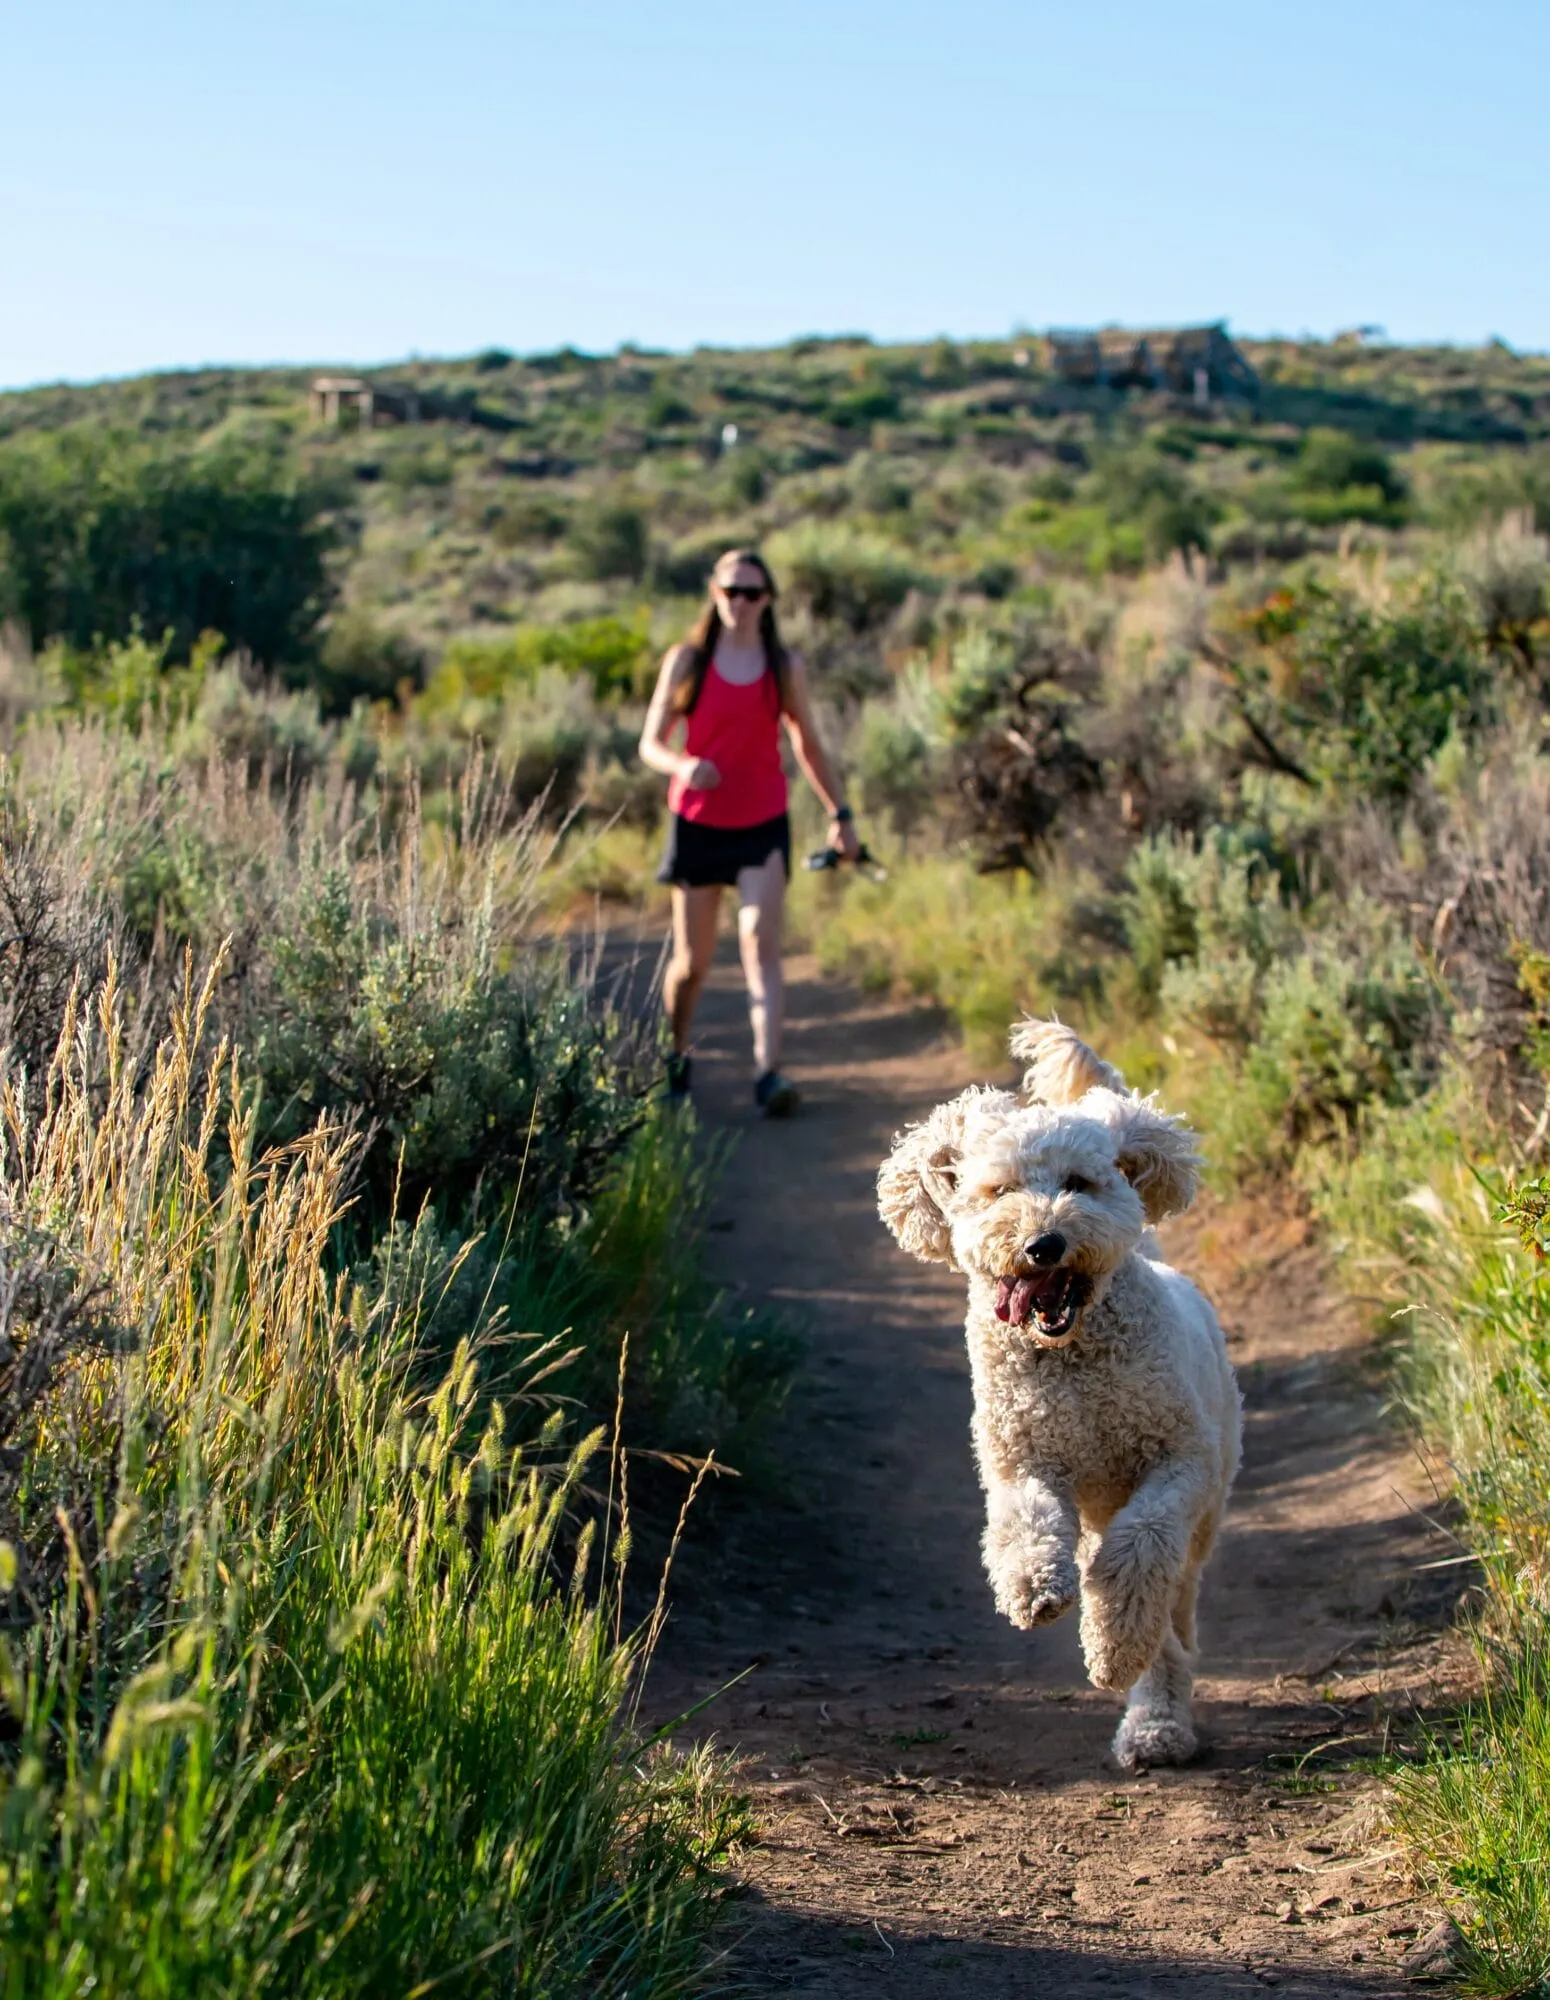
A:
{"x":832,"y":1959}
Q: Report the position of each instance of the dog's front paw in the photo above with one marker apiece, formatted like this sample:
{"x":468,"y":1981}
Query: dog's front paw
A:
{"x":1128,"y":1589}
{"x":1038,"y":1598}
{"x":1115,"y":1660}
{"x":1117,"y":1650}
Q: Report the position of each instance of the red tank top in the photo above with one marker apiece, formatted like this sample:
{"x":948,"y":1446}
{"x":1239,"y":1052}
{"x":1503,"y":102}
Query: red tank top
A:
{"x":738,"y":729}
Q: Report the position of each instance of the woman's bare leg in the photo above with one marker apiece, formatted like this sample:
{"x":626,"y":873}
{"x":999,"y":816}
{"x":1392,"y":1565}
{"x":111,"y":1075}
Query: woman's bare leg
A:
{"x":761,"y":909}
{"x":694,"y":946}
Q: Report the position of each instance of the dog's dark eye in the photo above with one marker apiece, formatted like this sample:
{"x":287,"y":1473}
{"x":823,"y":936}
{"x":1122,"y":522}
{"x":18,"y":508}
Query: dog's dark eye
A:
{"x":1076,"y":1184}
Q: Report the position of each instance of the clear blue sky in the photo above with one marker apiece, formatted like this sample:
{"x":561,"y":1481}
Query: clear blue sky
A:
{"x":335,"y":181}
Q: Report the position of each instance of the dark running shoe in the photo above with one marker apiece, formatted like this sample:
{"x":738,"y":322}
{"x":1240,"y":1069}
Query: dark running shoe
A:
{"x":677,"y":1079}
{"x":775,"y":1097}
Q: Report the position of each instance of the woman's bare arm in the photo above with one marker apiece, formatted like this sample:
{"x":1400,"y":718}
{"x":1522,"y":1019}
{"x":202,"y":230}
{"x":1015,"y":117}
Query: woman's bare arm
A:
{"x":814,"y":759}
{"x":655,"y":750}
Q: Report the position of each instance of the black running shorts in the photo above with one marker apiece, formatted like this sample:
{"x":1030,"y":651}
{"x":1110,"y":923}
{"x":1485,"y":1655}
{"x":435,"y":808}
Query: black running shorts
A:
{"x":699,"y":856}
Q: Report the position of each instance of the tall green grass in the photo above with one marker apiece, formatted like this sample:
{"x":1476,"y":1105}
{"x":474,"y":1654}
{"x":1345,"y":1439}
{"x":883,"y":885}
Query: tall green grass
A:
{"x":984,"y":948}
{"x":1476,"y":1817}
{"x":1420,"y":1224}
{"x":1476,"y":1814}
{"x":704,"y":1375}
{"x":312,"y":1692}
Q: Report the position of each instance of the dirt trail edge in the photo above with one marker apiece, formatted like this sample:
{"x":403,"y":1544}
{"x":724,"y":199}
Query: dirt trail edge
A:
{"x":937,"y":1813}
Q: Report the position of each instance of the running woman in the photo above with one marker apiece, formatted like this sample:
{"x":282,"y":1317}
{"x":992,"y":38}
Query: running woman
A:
{"x":732,"y":684}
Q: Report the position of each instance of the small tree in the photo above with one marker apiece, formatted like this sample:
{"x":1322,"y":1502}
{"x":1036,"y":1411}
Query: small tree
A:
{"x":105,"y":534}
{"x":1358,"y":696}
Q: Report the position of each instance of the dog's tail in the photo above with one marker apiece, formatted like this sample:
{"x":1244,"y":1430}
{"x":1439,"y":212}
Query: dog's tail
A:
{"x":1060,"y":1066}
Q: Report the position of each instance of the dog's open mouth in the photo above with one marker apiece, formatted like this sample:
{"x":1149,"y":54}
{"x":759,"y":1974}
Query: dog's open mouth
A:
{"x":1044,"y":1303}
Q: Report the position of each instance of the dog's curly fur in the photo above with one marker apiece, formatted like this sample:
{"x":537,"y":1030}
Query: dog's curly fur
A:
{"x":1106,"y":1448}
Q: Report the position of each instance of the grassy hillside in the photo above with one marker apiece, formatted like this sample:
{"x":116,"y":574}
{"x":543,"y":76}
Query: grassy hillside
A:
{"x":564,"y":486}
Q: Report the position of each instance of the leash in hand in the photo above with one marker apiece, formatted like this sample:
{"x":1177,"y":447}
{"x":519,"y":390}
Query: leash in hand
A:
{"x":866,"y":861}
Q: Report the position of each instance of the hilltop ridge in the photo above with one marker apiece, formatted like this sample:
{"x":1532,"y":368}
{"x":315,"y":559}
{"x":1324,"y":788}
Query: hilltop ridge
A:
{"x":557,"y":487}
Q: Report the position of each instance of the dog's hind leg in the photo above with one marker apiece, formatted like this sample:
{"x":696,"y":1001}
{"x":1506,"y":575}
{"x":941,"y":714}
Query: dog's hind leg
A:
{"x":1158,"y":1727}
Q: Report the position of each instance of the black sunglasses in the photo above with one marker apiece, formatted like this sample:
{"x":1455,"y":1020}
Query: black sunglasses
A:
{"x":752,"y":591}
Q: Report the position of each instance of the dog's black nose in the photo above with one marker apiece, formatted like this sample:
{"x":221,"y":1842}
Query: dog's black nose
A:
{"x":1046,"y":1249}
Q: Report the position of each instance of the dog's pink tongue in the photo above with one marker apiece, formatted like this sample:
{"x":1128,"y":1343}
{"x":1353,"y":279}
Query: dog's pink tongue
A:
{"x":1014,"y":1297}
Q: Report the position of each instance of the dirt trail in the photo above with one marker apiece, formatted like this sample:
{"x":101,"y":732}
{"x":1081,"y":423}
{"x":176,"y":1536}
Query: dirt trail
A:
{"x":938,"y":1817}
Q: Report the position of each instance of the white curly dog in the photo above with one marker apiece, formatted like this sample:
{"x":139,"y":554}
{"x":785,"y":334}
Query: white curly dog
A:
{"x":1107,"y":1422}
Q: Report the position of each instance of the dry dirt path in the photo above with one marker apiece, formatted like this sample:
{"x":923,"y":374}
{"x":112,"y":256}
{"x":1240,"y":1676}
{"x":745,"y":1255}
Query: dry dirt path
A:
{"x":937,"y":1814}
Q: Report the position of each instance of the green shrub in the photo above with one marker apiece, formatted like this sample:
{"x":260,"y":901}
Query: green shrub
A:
{"x":386,"y":977}
{"x":1319,"y":1026}
{"x":843,"y":577}
{"x":613,"y":656}
{"x":555,"y":744}
{"x":1085,"y":538}
{"x":610,"y":541}
{"x":870,"y":402}
{"x":264,"y":732}
{"x":1361,"y":696}
{"x":1467,"y":491}
{"x":880,"y":490}
{"x":532,"y":518}
{"x":60,"y":930}
{"x":1147,"y":489}
{"x":1213,"y":905}
{"x":666,"y":407}
{"x":995,"y":578}
{"x":390,"y":1009}
{"x":747,"y":478}
{"x":684,"y":568}
{"x":420,"y":465}
{"x":133,"y":680}
{"x":1218,"y":994}
{"x":106,"y":534}
{"x":1338,"y":1034}
{"x":1506,"y":570}
{"x":1337,"y":478}
{"x":945,"y":366}
{"x":361,"y":659}
{"x":892,"y":759}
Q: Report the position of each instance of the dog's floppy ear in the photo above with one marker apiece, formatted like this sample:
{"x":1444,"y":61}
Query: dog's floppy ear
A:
{"x":915,"y":1183}
{"x":1156,"y":1153}
{"x":1060,"y":1066}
